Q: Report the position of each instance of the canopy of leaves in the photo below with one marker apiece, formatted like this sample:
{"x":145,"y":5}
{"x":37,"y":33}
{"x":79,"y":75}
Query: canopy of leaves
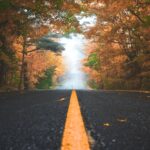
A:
{"x":22,"y":23}
{"x":122,"y":33}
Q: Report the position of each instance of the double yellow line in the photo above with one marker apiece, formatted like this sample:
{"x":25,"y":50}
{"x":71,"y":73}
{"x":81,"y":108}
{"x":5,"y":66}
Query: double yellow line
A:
{"x":74,"y":136}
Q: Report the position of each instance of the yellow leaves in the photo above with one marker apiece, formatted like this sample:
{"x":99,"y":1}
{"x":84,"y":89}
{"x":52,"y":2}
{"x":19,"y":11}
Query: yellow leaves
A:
{"x":62,"y":99}
{"x":74,"y":8}
{"x":115,"y":46}
{"x":116,"y":6}
{"x":17,"y":46}
{"x":122,"y":120}
{"x":119,"y":59}
{"x":96,"y":5}
{"x":106,"y":124}
{"x":39,"y":32}
{"x":40,"y":61}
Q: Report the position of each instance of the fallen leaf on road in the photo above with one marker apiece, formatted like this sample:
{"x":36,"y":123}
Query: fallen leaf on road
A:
{"x":113,"y":140}
{"x":122,"y":120}
{"x":61,"y":99}
{"x":106,"y":124}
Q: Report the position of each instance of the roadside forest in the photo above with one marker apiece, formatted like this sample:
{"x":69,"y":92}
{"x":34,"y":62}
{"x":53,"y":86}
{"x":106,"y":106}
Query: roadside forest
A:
{"x":26,"y":56}
{"x":118,"y":51}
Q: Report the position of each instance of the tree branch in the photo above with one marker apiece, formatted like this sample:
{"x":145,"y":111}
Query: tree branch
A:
{"x":140,"y":19}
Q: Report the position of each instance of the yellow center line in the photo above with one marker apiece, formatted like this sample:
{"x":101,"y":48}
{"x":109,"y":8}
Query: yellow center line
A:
{"x":74,"y":136}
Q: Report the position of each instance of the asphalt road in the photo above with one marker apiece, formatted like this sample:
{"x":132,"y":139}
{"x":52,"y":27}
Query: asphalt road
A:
{"x":117,"y":120}
{"x":35,"y":120}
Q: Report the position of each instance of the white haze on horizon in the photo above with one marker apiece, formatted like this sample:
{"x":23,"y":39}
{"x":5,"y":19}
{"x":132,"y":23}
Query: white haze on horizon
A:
{"x":74,"y":77}
{"x":74,"y":53}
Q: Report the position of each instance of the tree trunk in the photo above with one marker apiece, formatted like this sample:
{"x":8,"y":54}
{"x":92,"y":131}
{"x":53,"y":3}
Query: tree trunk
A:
{"x":3,"y":73}
{"x":25,"y":75}
{"x":21,"y":71}
{"x":23,"y":84}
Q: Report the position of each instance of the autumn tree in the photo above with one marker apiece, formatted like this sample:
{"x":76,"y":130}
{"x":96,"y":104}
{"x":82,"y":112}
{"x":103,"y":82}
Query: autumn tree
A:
{"x":28,"y":21}
{"x":122,"y":34}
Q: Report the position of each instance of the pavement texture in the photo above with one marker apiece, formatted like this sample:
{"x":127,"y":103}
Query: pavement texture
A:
{"x":33,"y":120}
{"x":116,"y":120}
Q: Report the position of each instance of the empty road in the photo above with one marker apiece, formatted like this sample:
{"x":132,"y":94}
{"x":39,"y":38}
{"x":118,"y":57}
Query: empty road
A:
{"x":113,"y":120}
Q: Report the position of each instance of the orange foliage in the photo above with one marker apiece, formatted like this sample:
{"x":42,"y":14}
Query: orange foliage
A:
{"x":40,"y":61}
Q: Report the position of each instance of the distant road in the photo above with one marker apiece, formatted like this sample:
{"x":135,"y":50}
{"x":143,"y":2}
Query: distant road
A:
{"x":35,"y":120}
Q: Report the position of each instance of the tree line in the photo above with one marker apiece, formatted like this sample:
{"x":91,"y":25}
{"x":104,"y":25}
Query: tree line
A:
{"x":119,"y":56}
{"x":22,"y":27}
{"x":118,"y":50}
